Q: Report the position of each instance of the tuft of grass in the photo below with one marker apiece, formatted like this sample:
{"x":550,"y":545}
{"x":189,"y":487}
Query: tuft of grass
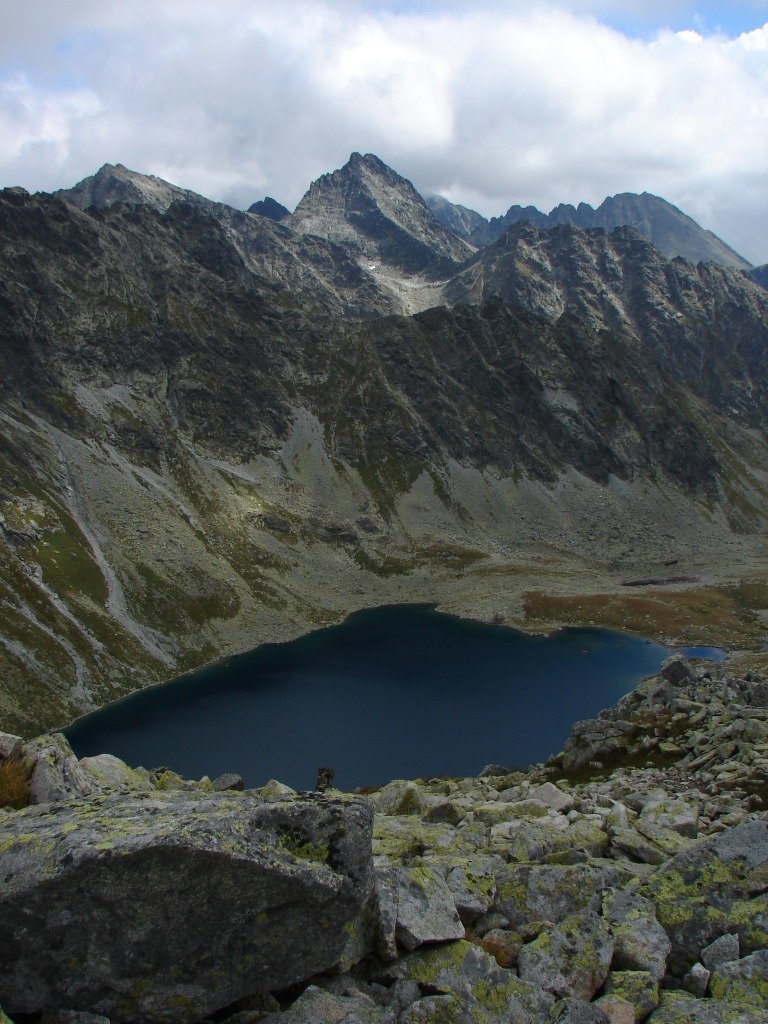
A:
{"x":15,"y":773}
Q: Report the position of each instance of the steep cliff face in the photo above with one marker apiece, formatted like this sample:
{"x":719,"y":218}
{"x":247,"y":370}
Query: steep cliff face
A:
{"x":201,"y":449}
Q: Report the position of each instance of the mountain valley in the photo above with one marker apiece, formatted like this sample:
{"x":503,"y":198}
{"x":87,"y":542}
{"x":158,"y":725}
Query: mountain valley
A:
{"x":220,"y":428}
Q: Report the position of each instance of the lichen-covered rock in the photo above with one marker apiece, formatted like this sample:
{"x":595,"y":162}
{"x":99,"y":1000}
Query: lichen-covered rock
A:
{"x":743,"y":982}
{"x":57,"y":774}
{"x":425,"y":908}
{"x":571,"y":960}
{"x":481,"y":992}
{"x":639,"y":988}
{"x":170,"y":906}
{"x":641,"y":942}
{"x":696,"y":980}
{"x":472,"y":882}
{"x":539,"y":892}
{"x":109,"y":773}
{"x":715,"y":887}
{"x":678,"y":1007}
{"x":398,"y":797}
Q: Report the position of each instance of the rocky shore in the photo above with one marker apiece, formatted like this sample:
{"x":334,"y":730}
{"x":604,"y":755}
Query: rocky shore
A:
{"x":623,"y":881}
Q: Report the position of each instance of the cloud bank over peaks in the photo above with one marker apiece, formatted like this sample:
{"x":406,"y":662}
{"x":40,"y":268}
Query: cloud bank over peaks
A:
{"x":490,"y":105}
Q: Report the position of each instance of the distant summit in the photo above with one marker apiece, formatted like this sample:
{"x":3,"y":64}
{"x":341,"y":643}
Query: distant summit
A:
{"x":670,"y":230}
{"x":114,"y":183}
{"x":269,"y":207}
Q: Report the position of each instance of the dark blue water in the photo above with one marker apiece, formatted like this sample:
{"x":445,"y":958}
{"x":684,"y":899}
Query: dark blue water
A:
{"x":393,"y":692}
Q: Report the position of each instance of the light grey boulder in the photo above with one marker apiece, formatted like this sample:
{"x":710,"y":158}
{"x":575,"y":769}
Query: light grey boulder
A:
{"x":426,"y":911}
{"x":721,"y":951}
{"x":571,"y":960}
{"x":553,"y":797}
{"x":551,"y":892}
{"x":173,"y":905}
{"x":743,"y":982}
{"x":10,"y":745}
{"x":696,"y":980}
{"x":399,"y":797}
{"x":679,"y":816}
{"x":641,"y":942}
{"x":57,"y":774}
{"x":274,"y":790}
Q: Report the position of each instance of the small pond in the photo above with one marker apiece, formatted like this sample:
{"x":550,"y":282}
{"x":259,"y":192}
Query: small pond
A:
{"x":393,"y":692}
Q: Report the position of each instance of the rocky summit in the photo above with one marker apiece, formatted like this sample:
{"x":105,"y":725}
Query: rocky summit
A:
{"x":623,"y":881}
{"x":222,"y":427}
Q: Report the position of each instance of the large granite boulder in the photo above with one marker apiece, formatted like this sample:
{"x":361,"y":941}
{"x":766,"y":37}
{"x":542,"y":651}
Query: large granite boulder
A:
{"x":170,"y":906}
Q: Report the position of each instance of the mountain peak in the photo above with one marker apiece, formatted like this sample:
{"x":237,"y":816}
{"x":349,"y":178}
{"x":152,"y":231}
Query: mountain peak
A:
{"x":380,"y":216}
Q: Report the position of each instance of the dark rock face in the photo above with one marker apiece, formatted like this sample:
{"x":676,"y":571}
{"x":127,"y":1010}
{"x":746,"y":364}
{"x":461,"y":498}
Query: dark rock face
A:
{"x":760,"y":275}
{"x":172,"y":906}
{"x":270,"y":207}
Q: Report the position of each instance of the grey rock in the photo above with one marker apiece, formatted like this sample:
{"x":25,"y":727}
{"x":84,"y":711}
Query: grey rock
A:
{"x":316,"y":1006}
{"x":426,"y":911}
{"x":71,"y":1017}
{"x":281,"y":883}
{"x":481,"y":991}
{"x":641,"y":942}
{"x":229,"y":780}
{"x":678,"y":1007}
{"x":743,"y":982}
{"x":639,"y":988}
{"x":552,"y":797}
{"x":571,"y":960}
{"x":108,"y":773}
{"x":721,"y":951}
{"x":696,"y":980}
{"x":57,"y":774}
{"x":387,"y":900}
{"x":616,"y":1009}
{"x":10,"y":745}
{"x":577,"y":1011}
{"x":676,"y":670}
{"x":398,"y":797}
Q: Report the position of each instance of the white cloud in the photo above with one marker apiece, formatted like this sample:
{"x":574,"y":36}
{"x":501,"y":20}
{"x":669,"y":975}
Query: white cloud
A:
{"x":493,"y":104}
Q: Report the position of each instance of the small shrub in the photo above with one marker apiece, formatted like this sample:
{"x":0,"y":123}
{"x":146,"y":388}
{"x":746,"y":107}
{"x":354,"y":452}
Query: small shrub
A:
{"x":15,"y":773}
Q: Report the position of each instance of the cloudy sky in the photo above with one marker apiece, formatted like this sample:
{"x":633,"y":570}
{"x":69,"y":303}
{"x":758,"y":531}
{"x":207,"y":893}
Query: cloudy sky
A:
{"x":489,"y":103}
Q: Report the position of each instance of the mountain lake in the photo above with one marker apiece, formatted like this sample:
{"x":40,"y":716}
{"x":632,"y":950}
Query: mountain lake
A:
{"x":400,"y":691}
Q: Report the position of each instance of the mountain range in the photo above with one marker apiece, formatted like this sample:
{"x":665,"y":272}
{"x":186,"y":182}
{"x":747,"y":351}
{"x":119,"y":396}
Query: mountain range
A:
{"x":220,"y":427}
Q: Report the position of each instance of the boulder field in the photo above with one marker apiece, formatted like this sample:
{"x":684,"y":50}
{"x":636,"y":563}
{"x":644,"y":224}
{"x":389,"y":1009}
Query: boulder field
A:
{"x":624,"y":881}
